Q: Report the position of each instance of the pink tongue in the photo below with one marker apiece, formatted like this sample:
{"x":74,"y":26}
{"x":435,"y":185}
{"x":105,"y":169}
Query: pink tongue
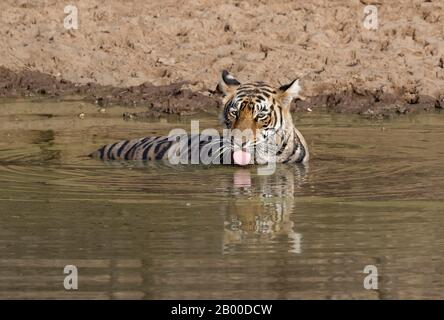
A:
{"x":241,"y":158}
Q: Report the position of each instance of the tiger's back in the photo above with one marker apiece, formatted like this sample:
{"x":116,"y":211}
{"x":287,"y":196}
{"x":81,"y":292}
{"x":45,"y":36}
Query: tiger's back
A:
{"x":147,"y":148}
{"x":182,"y":148}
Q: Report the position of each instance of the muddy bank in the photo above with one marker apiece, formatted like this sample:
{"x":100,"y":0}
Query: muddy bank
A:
{"x":178,"y":99}
{"x":375,"y":103}
{"x":168,"y":54}
{"x":164,"y":99}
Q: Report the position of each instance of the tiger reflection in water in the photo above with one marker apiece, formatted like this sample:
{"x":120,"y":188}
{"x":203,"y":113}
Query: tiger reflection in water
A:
{"x":261,"y":207}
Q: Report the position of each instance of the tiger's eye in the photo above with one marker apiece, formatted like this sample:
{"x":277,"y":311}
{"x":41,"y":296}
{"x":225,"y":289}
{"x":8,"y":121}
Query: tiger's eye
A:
{"x":261,"y":115}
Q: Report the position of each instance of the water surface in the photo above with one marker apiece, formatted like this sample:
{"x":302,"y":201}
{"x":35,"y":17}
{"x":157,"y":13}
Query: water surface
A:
{"x":373,"y":194}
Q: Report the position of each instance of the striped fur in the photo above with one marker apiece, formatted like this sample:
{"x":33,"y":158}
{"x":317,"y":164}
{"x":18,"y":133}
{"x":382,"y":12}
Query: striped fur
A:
{"x":252,"y":107}
{"x":161,"y":148}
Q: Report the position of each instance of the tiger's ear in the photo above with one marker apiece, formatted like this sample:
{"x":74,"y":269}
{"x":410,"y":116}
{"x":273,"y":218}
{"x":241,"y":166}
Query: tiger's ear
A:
{"x":289,"y":91}
{"x":227,"y":83}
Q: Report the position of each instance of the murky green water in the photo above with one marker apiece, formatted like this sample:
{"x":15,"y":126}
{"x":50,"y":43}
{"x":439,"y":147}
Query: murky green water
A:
{"x":372,"y":195}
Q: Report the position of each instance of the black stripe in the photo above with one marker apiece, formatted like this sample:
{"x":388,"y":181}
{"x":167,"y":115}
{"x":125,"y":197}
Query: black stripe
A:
{"x":159,"y":144}
{"x":146,"y":150}
{"x":161,"y":153}
{"x":101,"y":151}
{"x":284,"y":145}
{"x":119,"y":152}
{"x":303,"y":153}
{"x":295,"y":149}
{"x":110,"y":150}
{"x":130,"y":152}
{"x":144,"y":143}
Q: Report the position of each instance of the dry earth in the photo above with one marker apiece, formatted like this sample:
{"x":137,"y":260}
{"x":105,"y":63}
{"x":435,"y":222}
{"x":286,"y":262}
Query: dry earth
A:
{"x":123,"y":50}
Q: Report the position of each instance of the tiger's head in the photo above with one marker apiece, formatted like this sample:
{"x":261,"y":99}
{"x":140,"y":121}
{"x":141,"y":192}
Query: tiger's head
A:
{"x":257,"y":114}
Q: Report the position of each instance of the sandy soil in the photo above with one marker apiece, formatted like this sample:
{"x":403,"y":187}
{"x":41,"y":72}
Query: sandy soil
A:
{"x":342,"y":65}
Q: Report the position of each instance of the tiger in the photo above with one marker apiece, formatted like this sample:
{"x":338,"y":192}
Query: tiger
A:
{"x":259,"y":129}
